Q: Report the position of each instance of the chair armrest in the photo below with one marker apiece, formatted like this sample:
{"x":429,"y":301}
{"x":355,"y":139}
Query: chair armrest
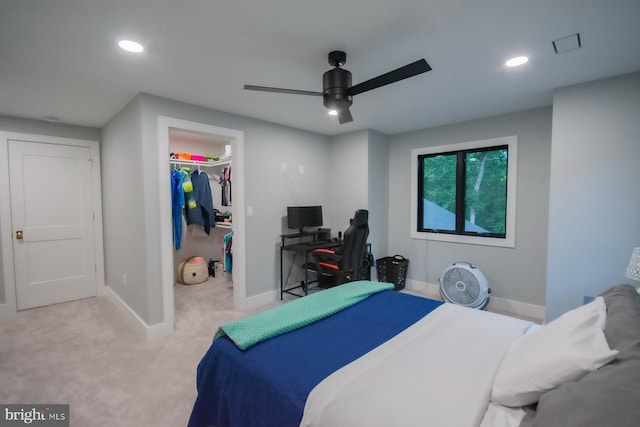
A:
{"x":326,"y":255}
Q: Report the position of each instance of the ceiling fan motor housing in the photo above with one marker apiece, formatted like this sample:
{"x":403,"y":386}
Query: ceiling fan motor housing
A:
{"x":337,"y":92}
{"x":335,"y":83}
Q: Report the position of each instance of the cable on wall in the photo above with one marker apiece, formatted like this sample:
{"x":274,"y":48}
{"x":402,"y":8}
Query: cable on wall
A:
{"x":290,"y":186}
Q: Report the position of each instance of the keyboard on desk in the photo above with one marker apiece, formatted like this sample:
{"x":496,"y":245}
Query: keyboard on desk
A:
{"x":316,"y":243}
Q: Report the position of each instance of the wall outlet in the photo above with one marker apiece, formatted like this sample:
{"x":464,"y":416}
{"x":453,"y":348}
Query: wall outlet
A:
{"x":283,"y":167}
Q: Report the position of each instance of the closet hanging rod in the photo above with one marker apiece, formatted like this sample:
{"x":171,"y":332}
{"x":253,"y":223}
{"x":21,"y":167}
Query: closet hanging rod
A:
{"x":197,"y":163}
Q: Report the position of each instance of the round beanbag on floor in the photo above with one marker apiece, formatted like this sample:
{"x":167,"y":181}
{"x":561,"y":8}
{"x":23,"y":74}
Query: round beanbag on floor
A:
{"x":192,"y":271}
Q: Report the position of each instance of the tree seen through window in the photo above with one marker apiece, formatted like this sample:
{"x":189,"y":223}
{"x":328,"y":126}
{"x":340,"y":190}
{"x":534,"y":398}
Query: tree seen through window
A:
{"x":464,"y":192}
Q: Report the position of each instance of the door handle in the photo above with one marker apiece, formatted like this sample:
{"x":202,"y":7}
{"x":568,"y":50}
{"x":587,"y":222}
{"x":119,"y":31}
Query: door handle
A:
{"x":19,"y":235}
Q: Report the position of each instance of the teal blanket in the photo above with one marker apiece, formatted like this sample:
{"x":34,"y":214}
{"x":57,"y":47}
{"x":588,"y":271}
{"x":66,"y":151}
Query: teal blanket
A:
{"x":298,"y":313}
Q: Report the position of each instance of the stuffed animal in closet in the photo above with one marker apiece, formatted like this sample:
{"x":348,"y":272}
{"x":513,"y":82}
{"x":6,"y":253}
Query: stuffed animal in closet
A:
{"x":193,"y":270}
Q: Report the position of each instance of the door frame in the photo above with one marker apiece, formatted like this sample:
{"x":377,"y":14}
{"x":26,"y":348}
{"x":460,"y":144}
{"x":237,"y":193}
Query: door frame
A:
{"x":6,"y":233}
{"x":238,"y":226}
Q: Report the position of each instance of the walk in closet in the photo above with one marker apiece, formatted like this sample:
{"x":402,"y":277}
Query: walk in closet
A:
{"x":203,"y":159}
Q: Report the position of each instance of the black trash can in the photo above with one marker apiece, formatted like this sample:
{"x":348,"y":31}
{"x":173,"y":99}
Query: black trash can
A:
{"x":393,"y":269}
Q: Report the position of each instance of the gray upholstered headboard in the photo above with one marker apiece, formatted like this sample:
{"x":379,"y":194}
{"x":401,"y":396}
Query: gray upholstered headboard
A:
{"x":609,"y":396}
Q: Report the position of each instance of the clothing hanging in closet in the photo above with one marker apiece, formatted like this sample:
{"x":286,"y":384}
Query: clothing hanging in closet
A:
{"x":203,"y":214}
{"x":177,"y":204}
{"x":228,"y":252}
{"x":225,"y":183}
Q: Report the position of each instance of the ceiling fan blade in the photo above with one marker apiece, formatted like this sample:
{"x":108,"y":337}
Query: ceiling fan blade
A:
{"x":281,"y":90}
{"x":398,"y":74}
{"x":344,"y":116}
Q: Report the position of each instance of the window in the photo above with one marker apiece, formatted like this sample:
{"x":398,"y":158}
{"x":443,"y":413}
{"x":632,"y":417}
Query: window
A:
{"x":465,"y":192}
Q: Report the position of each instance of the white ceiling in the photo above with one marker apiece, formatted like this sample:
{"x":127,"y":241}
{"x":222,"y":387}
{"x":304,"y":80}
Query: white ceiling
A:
{"x":60,"y":58}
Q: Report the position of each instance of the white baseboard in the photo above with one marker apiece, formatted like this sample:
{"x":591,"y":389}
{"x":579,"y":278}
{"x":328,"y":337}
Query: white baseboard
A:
{"x":160,"y":330}
{"x":150,"y":332}
{"x":260,"y":300}
{"x":429,"y":289}
{"x":517,"y":307}
{"x":495,"y":303}
{"x":6,"y":308}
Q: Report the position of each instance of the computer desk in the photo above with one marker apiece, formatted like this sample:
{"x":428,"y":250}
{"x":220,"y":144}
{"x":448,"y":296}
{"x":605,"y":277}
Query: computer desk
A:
{"x":301,"y":249}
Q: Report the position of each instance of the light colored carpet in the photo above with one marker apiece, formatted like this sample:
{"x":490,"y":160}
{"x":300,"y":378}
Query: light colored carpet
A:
{"x":84,"y":354}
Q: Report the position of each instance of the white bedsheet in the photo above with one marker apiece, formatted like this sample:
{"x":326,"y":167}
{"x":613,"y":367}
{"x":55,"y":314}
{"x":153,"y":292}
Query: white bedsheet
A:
{"x":502,"y":416}
{"x":438,"y":372}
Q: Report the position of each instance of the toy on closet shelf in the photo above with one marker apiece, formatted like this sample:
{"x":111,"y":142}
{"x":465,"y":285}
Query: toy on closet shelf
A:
{"x":193,"y":270}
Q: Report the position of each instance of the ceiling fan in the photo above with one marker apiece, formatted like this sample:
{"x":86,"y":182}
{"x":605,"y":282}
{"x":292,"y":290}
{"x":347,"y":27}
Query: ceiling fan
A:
{"x":337,"y":92}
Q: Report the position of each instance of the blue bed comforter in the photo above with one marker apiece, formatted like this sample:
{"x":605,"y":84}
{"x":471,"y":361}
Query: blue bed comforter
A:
{"x":267,"y":385}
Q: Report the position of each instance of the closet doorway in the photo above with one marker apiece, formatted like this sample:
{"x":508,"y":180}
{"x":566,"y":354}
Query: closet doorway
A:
{"x":169,"y":128}
{"x":215,"y":177}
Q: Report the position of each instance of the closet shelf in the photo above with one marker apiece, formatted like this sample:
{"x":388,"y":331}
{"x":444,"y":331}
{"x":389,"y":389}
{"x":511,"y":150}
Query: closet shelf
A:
{"x":197,"y":163}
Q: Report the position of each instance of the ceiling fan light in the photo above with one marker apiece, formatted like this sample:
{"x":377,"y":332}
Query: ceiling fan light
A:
{"x":516,"y":61}
{"x":333,"y":112}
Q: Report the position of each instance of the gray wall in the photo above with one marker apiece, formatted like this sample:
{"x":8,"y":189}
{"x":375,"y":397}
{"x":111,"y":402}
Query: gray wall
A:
{"x":36,"y":127}
{"x":378,"y":190}
{"x":594,"y":199}
{"x":359,"y":180}
{"x":348,"y":177}
{"x":123,"y":208}
{"x":268,"y":190}
{"x":514,"y":273}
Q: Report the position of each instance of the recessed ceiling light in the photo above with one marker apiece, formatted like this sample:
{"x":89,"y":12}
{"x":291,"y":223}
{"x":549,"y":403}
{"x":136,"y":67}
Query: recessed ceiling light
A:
{"x":131,"y":46}
{"x":517,"y":61}
{"x":333,"y":112}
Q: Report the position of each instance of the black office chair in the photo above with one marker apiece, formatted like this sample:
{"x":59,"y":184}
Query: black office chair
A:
{"x":346,"y":263}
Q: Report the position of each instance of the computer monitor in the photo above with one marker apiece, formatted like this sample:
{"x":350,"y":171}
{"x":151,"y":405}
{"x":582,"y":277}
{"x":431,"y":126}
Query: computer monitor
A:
{"x":301,"y":217}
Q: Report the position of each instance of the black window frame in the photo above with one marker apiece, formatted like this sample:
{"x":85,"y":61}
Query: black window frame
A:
{"x":460,"y":193}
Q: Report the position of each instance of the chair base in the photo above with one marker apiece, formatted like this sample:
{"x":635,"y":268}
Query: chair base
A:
{"x":324,"y":280}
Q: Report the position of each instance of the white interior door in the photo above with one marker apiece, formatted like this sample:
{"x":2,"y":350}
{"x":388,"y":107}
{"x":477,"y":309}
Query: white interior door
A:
{"x":52,"y":222}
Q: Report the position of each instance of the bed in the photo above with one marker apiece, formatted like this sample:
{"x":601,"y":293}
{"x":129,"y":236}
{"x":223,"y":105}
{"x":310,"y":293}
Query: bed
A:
{"x":389,"y":358}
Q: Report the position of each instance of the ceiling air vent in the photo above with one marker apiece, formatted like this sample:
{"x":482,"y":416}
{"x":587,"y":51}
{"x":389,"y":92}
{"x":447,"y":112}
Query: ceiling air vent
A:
{"x":567,"y":43}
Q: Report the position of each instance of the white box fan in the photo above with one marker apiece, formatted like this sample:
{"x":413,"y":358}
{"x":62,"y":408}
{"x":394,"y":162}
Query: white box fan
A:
{"x":463,"y":284}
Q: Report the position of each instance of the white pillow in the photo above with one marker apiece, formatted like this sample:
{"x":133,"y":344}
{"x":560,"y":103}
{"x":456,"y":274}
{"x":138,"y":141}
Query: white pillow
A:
{"x":564,"y":350}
